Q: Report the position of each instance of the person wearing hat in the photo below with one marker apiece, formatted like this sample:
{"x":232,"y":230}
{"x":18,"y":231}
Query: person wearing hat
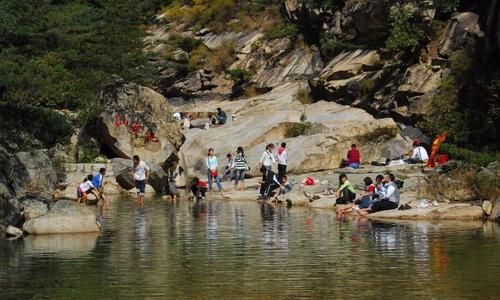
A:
{"x":419,"y":154}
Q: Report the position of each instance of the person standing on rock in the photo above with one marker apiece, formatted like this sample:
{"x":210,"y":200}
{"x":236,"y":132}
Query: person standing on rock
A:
{"x":267,"y":159}
{"x":282,"y":159}
{"x":140,"y":173}
{"x":353,"y":157}
{"x":97,"y":181}
{"x":212,"y":174}
{"x":240,"y":168}
{"x":170,"y":188}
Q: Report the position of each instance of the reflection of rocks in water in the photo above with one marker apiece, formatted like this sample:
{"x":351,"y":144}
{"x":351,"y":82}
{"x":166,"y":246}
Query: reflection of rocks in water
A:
{"x":62,"y":245}
{"x":141,"y":231}
{"x":212,"y":222}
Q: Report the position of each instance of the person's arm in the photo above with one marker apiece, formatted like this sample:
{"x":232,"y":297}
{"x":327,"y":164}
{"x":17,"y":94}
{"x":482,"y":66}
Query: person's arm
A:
{"x":273,"y":160}
{"x":207,"y":162}
{"x":147,"y":171}
{"x":389,"y":191}
{"x":348,"y":154}
{"x":261,"y":161}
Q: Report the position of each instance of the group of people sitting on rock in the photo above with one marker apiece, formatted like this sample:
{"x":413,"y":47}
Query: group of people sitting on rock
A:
{"x":219,"y":118}
{"x":382,"y":195}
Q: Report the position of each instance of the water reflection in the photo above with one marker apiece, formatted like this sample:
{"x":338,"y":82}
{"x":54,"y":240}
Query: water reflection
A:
{"x":249,"y":250}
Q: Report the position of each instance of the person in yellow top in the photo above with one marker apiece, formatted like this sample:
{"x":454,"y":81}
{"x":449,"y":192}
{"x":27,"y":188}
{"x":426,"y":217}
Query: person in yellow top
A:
{"x":346,"y":193}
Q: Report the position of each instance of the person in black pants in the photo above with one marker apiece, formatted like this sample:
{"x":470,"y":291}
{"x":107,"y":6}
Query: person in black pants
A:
{"x":198,"y":188}
{"x":269,"y":183}
{"x":282,"y":159}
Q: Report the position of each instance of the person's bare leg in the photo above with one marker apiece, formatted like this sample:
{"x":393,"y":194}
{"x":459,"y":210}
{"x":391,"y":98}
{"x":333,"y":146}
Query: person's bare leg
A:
{"x":242,"y":186}
{"x":174,"y":197}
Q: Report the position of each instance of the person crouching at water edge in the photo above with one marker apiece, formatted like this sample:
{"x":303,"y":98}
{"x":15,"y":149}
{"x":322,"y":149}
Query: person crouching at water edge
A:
{"x":85,"y":188}
{"x":269,"y":183}
{"x":140,"y":173}
{"x":198,"y":188}
{"x":212,"y":174}
{"x":389,"y":197}
{"x":170,"y":187}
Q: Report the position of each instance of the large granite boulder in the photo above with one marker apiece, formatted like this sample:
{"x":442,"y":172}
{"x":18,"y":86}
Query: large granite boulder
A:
{"x":318,"y":135}
{"x":42,"y":175}
{"x":460,"y":32}
{"x":63,"y":217}
{"x":129,"y":112}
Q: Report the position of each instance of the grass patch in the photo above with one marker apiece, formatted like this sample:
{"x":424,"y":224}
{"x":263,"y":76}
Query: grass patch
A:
{"x":304,"y":96}
{"x":219,"y":59}
{"x":472,"y":157}
{"x":298,"y":129}
{"x":286,"y":30}
{"x":239,"y":75}
{"x":383,"y":133}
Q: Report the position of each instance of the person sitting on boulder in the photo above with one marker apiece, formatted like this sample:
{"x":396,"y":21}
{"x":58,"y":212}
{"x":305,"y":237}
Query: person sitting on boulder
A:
{"x":85,"y":188}
{"x":389,"y":197}
{"x":365,"y":200}
{"x":419,"y":154}
{"x":346,"y":193}
{"x":199,"y":189}
{"x":269,"y":183}
{"x":353,"y":157}
{"x":221,"y":116}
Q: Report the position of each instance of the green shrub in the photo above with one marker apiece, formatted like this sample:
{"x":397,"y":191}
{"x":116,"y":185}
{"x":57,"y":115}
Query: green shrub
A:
{"x":332,"y":48}
{"x":287,"y":30}
{"x":407,"y":30}
{"x":46,"y":125}
{"x":239,"y":74}
{"x":297,"y":129}
{"x":87,"y":154}
{"x":185,"y":43}
{"x":476,"y":158}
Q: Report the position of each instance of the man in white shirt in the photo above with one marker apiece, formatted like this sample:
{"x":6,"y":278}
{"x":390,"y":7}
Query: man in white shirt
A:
{"x":419,"y":154}
{"x":140,"y":173}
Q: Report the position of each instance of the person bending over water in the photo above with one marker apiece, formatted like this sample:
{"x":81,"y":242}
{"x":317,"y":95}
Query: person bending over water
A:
{"x":140,"y":173}
{"x":170,"y":188}
{"x":85,"y":188}
{"x":198,"y":188}
{"x":269,"y":183}
{"x":346,"y":193}
{"x":389,"y":197}
{"x":97,"y":181}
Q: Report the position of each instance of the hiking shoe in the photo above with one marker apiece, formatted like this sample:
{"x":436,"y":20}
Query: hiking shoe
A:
{"x":407,"y":206}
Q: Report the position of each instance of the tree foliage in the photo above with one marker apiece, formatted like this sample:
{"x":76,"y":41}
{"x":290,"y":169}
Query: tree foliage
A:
{"x":56,"y":53}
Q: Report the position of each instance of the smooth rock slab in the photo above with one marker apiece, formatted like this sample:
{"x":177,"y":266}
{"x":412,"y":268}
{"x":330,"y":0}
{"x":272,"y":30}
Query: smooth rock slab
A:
{"x":442,"y":212}
{"x":63,"y":217}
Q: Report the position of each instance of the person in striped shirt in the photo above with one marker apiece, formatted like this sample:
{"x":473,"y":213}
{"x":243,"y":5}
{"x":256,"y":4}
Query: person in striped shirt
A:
{"x":240,"y":168}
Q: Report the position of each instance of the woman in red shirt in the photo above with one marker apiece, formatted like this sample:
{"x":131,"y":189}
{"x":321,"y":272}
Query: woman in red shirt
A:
{"x":353,"y":157}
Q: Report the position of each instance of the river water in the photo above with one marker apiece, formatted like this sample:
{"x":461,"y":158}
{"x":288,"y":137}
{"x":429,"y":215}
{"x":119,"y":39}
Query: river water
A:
{"x":248,"y":250}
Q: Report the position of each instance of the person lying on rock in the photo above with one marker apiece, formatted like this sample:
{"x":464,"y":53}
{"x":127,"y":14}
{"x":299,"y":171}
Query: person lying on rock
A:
{"x":364,"y":201}
{"x":389,"y":197}
{"x":199,"y":189}
{"x":346,"y":193}
{"x":269,"y":183}
{"x":85,"y":188}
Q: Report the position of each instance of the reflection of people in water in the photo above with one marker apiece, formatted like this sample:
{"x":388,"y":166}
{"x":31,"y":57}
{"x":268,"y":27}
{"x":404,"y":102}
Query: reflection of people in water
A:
{"x":140,"y":230}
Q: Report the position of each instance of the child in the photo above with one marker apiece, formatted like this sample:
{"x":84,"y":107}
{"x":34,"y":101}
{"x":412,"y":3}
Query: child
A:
{"x":85,"y":188}
{"x":285,"y":188}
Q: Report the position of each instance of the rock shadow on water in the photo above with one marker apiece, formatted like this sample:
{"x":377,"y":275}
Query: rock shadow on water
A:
{"x":62,"y":245}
